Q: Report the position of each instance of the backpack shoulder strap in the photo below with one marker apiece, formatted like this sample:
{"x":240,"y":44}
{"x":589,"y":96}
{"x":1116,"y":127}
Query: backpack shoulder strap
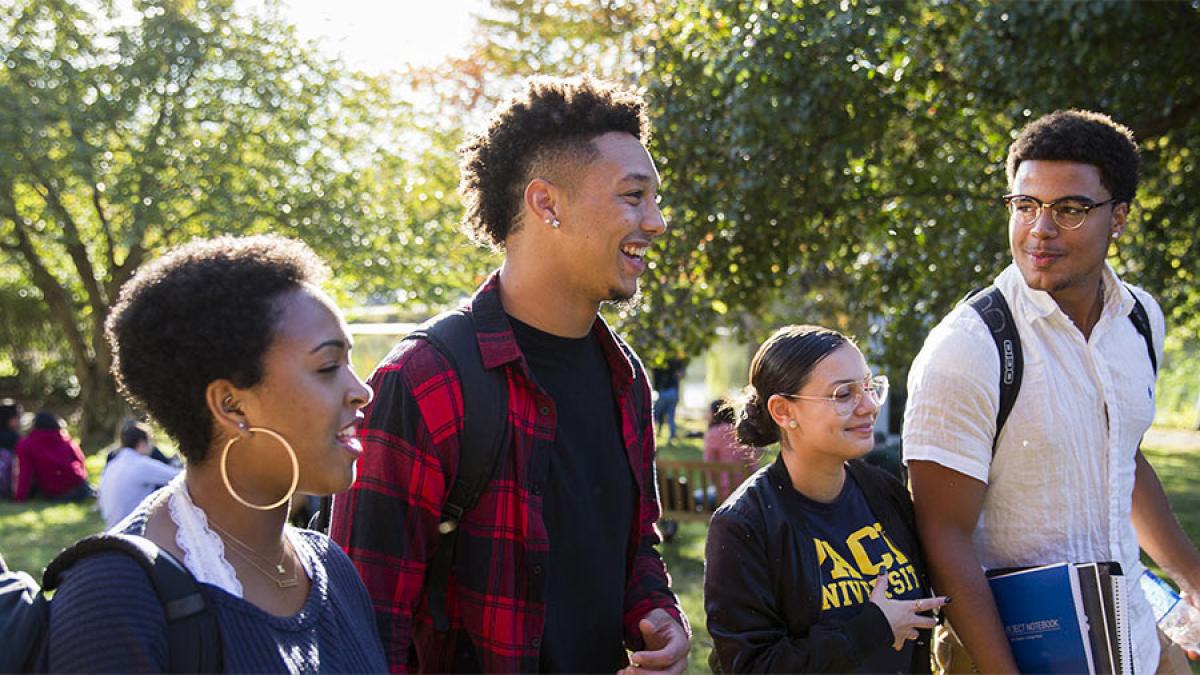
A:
{"x":1141,"y":321}
{"x":484,"y":435}
{"x":194,"y":641}
{"x":991,"y":306}
{"x":23,"y":621}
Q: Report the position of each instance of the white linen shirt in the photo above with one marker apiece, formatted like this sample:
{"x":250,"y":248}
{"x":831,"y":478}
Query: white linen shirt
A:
{"x":1060,"y":487}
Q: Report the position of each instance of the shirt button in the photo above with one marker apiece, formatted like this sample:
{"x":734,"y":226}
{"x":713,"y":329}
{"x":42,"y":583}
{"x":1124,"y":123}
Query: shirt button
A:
{"x":537,"y":489}
{"x":537,"y":570}
{"x":536,"y":642}
{"x":544,"y":410}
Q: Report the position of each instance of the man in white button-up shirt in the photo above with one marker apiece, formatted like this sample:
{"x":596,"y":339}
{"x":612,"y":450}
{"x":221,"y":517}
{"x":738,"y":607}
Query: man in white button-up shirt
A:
{"x":1067,"y":481}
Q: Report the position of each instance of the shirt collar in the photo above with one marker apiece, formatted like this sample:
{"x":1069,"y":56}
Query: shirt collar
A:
{"x":1037,"y":304}
{"x":498,"y":344}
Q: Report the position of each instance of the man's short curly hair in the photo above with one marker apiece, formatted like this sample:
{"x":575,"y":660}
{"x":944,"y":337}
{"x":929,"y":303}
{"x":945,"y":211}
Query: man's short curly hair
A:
{"x":1086,"y":137}
{"x":554,"y":119}
{"x":202,"y":312}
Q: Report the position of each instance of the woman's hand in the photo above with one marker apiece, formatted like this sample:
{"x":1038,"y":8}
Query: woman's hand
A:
{"x":904,"y":616}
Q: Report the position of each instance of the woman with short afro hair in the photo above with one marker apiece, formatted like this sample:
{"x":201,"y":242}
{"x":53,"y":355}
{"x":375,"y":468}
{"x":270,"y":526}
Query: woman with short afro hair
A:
{"x":231,"y":346}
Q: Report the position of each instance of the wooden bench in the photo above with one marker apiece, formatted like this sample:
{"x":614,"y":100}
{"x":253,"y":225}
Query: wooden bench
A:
{"x":679,"y":481}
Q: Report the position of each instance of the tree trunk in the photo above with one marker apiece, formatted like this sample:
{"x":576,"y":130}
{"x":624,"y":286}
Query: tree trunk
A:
{"x":102,"y":409}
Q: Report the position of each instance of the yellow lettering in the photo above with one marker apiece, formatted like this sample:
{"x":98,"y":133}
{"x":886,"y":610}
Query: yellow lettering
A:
{"x":914,"y":582}
{"x":841,"y":569}
{"x":895,"y":583}
{"x":854,"y":542}
{"x":845,"y":592}
{"x":856,"y":587}
{"x":901,"y":559}
{"x":829,"y":597}
{"x":866,"y":589}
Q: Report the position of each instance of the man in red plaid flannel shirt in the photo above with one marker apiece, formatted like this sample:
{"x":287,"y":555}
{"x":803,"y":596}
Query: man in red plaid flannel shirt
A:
{"x":555,"y":568}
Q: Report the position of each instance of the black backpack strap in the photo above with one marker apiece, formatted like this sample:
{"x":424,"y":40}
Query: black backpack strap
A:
{"x":1141,"y":321}
{"x":194,"y":639}
{"x":320,"y":520}
{"x":484,"y":436}
{"x":991,"y":306}
{"x":24,"y":616}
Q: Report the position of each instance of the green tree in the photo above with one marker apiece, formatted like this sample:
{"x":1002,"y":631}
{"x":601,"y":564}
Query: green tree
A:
{"x":517,"y":39}
{"x":842,"y":162}
{"x":126,"y":133}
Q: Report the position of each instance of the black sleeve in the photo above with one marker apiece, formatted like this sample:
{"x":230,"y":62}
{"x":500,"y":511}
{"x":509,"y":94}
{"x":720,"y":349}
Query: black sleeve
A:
{"x":106,"y":618}
{"x":747,"y":622}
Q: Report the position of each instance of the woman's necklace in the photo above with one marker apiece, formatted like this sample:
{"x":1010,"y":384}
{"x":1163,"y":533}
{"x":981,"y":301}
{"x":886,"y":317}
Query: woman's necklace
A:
{"x":247,"y":553}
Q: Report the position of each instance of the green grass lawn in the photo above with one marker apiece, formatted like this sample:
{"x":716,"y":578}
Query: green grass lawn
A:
{"x":31,"y":533}
{"x":1176,"y":467}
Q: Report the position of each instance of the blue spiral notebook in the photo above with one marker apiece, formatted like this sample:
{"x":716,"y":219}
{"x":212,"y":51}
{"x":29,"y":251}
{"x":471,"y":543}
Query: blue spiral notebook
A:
{"x":1045,"y":608}
{"x":1042,"y":609}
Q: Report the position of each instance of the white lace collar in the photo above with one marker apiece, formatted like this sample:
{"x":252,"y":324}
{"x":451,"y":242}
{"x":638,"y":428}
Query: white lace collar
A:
{"x":203,"y":549}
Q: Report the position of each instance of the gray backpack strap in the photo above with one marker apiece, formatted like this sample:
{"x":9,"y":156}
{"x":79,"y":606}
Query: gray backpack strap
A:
{"x":991,"y":306}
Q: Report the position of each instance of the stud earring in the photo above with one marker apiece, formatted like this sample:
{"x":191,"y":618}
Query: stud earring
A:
{"x":553,"y":222}
{"x":792,"y":424}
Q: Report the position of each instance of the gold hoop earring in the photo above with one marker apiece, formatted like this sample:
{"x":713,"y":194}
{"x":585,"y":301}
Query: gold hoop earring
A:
{"x":291,"y":455}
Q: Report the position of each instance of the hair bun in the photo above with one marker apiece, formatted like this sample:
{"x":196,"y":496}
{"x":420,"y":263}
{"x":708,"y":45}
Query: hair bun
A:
{"x":755,"y":427}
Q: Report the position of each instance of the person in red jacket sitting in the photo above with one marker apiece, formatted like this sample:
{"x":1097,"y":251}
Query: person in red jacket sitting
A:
{"x":49,"y":463}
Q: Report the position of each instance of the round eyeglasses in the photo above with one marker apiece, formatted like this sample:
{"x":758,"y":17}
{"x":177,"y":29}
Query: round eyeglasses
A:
{"x":1068,"y":212}
{"x":846,"y":397}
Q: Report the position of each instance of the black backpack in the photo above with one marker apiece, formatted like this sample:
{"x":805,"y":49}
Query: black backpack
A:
{"x":484,"y":435}
{"x":194,"y":642}
{"x":991,"y":306}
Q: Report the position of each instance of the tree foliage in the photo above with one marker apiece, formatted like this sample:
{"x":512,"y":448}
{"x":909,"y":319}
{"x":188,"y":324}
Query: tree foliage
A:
{"x":128,"y":132}
{"x":822,"y":162}
{"x":842,"y":163}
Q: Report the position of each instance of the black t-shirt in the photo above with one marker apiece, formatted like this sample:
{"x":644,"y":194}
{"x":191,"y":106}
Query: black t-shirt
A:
{"x":589,"y":505}
{"x":853,"y":549}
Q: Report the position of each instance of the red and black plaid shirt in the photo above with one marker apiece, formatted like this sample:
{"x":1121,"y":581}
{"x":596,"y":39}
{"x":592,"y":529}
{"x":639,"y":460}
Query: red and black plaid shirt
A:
{"x":387,"y":522}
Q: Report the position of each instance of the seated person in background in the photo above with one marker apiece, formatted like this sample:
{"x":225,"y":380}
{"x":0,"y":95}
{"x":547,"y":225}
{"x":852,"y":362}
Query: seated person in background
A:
{"x":155,"y":454}
{"x":10,"y":423}
{"x":10,"y":433}
{"x":49,"y":463}
{"x":720,"y":445}
{"x":131,"y":475}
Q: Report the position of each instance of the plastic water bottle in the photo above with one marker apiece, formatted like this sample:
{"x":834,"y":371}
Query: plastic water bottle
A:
{"x":1178,"y":619}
